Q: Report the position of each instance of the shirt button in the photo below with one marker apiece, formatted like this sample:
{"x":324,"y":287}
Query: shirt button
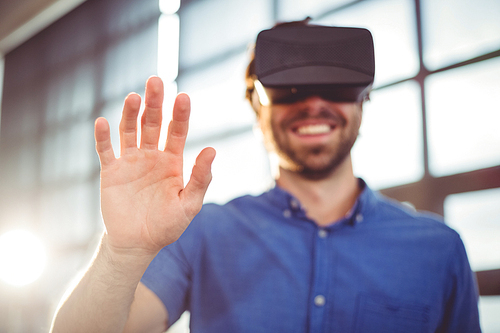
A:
{"x":294,"y":204}
{"x":322,"y":233}
{"x":319,"y":300}
{"x":287,"y":213}
{"x":359,"y":218}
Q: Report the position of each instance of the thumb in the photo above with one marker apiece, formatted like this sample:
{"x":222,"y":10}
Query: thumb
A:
{"x":195,"y":190}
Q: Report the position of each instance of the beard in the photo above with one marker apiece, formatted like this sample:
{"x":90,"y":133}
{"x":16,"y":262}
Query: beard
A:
{"x":319,"y":161}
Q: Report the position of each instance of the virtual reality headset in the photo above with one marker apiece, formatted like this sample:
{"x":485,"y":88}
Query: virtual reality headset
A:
{"x":294,"y":62}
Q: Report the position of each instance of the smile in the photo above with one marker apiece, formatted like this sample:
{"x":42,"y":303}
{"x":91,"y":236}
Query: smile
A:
{"x":313,"y":129}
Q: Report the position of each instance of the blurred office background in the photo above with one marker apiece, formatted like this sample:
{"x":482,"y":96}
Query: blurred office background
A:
{"x":430,"y":133}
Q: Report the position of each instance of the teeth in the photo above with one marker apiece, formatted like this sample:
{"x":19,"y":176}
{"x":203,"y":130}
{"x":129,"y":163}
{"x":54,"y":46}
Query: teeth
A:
{"x":314,"y":129}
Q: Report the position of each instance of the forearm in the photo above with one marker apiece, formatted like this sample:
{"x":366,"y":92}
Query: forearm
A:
{"x":101,"y":301}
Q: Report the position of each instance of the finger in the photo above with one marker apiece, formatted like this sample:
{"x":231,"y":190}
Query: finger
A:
{"x":128,"y":123}
{"x":178,"y":127}
{"x":197,"y":186}
{"x":103,"y":142}
{"x":151,"y":118}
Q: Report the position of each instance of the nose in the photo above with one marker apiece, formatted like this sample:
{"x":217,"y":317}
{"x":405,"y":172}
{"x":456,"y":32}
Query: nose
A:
{"x":314,"y":99}
{"x":314,"y":104}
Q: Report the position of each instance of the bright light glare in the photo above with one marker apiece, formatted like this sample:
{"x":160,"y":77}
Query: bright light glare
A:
{"x":169,"y":6}
{"x":168,"y":47}
{"x":264,"y":100}
{"x":22,"y":257}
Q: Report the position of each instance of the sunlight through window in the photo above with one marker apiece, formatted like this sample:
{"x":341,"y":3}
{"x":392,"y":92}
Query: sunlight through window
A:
{"x":22,"y":257}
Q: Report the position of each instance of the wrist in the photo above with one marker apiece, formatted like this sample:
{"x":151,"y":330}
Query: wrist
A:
{"x":125,"y":261}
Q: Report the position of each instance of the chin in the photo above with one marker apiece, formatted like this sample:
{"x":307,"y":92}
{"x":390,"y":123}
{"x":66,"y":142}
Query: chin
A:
{"x":316,"y":174}
{"x":320,"y":167}
{"x":316,"y":171}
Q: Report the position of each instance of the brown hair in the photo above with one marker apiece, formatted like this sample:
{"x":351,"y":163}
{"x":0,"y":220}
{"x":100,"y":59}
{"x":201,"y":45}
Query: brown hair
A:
{"x":250,"y":76}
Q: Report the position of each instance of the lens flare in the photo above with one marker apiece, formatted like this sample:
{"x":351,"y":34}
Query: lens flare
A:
{"x":22,"y":257}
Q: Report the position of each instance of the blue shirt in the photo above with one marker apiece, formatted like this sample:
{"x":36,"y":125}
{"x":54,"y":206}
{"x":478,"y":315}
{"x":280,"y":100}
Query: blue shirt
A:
{"x":258,"y":264}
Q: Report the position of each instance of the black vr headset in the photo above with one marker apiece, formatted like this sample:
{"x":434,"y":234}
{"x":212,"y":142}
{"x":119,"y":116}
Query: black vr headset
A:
{"x":294,"y":62}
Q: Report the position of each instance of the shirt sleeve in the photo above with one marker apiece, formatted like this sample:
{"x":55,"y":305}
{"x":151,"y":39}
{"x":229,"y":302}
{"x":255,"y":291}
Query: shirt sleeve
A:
{"x":170,"y":273}
{"x":461,"y":313}
{"x":168,"y":276}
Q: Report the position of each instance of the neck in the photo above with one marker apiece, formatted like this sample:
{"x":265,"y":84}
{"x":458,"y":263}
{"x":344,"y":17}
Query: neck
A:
{"x":325,"y":200}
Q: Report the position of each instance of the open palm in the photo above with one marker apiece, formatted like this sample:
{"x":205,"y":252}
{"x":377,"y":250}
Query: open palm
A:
{"x":144,"y":203}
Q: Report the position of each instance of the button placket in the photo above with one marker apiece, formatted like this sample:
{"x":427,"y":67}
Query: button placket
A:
{"x":322,"y":257}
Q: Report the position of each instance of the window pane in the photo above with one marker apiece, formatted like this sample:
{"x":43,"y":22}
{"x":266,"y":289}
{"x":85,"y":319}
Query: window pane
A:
{"x":68,"y":153}
{"x":218,"y":98}
{"x":68,"y":215}
{"x":476,"y":217}
{"x":210,"y":28}
{"x":289,"y":10}
{"x":489,"y":308}
{"x":22,"y":166}
{"x":458,"y":30}
{"x":70,"y":94}
{"x":389,"y":149}
{"x":129,"y":62}
{"x":463,"y":117}
{"x":392,"y":24}
{"x":240,"y":167}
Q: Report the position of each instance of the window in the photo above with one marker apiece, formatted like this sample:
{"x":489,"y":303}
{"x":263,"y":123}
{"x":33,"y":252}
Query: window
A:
{"x":462,"y":118}
{"x":455,"y":31}
{"x":476,"y":217}
{"x":389,"y":149}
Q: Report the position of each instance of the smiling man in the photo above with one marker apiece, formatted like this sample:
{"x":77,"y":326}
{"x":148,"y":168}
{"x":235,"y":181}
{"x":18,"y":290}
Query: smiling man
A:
{"x":319,"y":252}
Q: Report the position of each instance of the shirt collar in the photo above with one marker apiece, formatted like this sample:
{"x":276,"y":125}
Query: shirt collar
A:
{"x":283,"y":200}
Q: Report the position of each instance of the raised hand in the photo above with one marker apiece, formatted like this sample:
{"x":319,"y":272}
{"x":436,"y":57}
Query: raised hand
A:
{"x":144,"y":203}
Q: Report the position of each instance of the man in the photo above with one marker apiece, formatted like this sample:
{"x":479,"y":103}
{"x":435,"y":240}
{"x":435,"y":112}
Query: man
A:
{"x":320,"y":252}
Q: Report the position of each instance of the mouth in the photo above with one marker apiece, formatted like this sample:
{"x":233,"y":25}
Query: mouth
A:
{"x":313,"y":129}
